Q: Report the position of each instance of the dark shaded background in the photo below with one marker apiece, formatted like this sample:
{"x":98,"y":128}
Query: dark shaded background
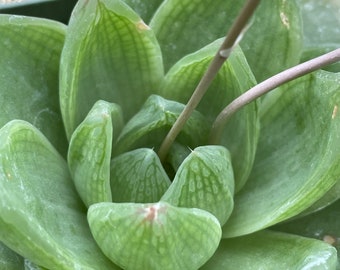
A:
{"x":59,"y":10}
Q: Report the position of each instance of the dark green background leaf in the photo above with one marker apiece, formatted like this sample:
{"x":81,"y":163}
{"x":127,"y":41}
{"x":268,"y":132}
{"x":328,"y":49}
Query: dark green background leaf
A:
{"x":145,"y":9}
{"x":31,"y":266}
{"x":321,"y":28}
{"x":9,"y":260}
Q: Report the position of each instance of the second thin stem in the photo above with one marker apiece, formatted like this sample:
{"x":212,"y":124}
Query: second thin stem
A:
{"x":268,"y":85}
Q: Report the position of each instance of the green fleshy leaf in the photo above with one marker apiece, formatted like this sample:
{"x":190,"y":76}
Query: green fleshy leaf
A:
{"x":90,"y":150}
{"x":150,"y":125}
{"x":323,"y":225}
{"x":321,"y":29}
{"x":274,"y":40}
{"x":268,"y":250}
{"x":9,"y":260}
{"x":297,"y":160}
{"x":109,"y":54}
{"x":41,"y":215}
{"x":138,"y":176}
{"x":315,"y":12}
{"x":185,"y":26}
{"x":327,"y":199}
{"x":235,"y":77}
{"x":145,"y":9}
{"x":31,"y":266}
{"x":30,"y":51}
{"x":204,"y":180}
{"x":154,"y":236}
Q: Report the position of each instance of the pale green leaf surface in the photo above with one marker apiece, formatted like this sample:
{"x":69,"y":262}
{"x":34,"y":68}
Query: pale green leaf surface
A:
{"x":235,"y":77}
{"x":89,"y":155}
{"x":267,"y":250}
{"x":205,"y":180}
{"x":298,"y":154}
{"x":154,"y":236}
{"x":150,"y":125}
{"x":41,"y":215}
{"x":109,"y":54}
{"x":320,"y":20}
{"x":30,"y":51}
{"x":274,"y":40}
{"x":327,"y":199}
{"x":145,"y":9}
{"x":138,"y":176}
{"x":9,"y":260}
{"x":185,"y":26}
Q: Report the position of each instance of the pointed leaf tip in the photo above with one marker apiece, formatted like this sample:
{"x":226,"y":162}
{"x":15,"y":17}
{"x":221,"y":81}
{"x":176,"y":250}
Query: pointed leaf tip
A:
{"x":90,"y":151}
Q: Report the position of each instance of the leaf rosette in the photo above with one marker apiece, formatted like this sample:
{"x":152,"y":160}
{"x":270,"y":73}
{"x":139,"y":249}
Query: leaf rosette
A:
{"x":85,"y":108}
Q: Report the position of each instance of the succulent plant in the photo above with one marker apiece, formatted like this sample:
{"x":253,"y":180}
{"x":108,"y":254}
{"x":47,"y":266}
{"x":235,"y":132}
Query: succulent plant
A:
{"x":91,"y":175}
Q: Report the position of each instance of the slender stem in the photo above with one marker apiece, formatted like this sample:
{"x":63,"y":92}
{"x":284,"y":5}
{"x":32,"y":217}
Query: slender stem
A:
{"x":220,"y":57}
{"x":268,"y":85}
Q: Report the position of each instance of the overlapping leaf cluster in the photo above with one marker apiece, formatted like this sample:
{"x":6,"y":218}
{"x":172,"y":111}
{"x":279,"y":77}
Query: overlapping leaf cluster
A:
{"x":84,"y":109}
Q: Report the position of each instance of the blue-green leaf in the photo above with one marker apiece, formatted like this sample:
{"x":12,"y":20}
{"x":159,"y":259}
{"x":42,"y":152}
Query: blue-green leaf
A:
{"x":298,"y":156}
{"x":41,"y":215}
{"x":30,"y":51}
{"x":267,"y":250}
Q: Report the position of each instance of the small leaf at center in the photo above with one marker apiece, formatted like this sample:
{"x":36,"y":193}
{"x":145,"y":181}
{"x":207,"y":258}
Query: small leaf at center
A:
{"x":204,"y":180}
{"x":138,"y":176}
